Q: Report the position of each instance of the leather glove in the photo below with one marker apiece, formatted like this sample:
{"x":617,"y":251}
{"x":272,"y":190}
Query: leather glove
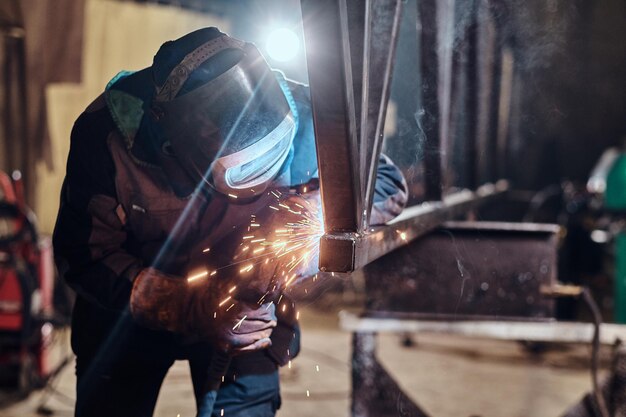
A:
{"x":164,"y":302}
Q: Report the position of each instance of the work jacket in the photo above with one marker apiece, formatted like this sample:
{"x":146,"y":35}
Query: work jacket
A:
{"x":119,"y":214}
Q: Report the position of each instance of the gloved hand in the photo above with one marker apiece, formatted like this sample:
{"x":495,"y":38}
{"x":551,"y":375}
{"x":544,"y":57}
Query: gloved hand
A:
{"x":165,"y":302}
{"x":247,"y":328}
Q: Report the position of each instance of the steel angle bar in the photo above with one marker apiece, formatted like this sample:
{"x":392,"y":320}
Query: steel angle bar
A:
{"x":346,"y":252}
{"x":326,"y":36}
{"x":552,"y":331}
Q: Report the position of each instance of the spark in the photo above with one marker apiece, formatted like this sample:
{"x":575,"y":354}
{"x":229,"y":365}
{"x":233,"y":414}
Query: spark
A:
{"x":274,"y":208}
{"x":232,"y":195}
{"x":248,"y":237}
{"x":214,"y":272}
{"x":317,"y":368}
{"x":224,"y":301}
{"x":232,"y":289}
{"x":258,"y":240}
{"x":247,"y":268}
{"x":231,"y":306}
{"x":289,"y":365}
{"x":261,"y":249}
{"x":206,"y":250}
{"x":284,"y":307}
{"x":403,"y":236}
{"x":298,"y":315}
{"x":239,"y":322}
{"x":255,"y":225}
{"x":197,"y":276}
{"x":222,"y":412}
{"x":308,"y":394}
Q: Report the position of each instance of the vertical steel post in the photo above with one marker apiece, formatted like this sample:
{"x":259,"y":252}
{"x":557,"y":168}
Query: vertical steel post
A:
{"x":471,"y":98}
{"x":381,"y":38}
{"x":494,"y":105}
{"x":363,"y":373}
{"x":429,"y":66}
{"x":325,"y":25}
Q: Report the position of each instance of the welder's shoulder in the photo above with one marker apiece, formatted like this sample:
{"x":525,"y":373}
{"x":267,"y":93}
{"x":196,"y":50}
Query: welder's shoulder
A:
{"x":93,"y":126}
{"x":88,"y":144}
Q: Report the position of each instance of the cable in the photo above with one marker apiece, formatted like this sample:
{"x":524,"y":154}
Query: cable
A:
{"x":595,"y":349}
{"x":559,"y":290}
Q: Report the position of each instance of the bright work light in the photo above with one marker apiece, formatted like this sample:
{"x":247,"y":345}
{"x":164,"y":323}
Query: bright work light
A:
{"x":282,"y":44}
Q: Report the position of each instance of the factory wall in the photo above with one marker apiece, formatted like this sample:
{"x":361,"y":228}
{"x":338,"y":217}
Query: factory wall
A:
{"x":117,"y":36}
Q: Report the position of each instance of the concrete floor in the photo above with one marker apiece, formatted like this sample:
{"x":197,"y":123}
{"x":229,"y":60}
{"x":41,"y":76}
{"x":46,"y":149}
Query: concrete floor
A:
{"x":445,"y":375}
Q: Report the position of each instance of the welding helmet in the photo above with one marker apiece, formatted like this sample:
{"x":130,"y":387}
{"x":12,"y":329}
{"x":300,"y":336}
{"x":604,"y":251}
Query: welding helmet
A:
{"x":223,"y":115}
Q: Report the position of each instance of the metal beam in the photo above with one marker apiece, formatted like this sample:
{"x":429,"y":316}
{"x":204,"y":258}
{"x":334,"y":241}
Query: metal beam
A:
{"x":345,"y":252}
{"x":381,"y":38}
{"x":325,"y":24}
{"x":429,"y":120}
{"x":553,"y":331}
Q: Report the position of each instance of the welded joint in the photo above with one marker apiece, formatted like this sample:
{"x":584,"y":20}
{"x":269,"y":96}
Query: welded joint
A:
{"x":338,"y":252}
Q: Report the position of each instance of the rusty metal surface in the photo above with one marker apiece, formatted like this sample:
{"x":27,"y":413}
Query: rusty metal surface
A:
{"x":345,"y":252}
{"x":468,"y":270}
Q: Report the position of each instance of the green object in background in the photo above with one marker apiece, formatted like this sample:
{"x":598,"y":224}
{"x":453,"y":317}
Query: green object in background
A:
{"x":615,"y":200}
{"x":615,"y":195}
{"x":620,"y":278}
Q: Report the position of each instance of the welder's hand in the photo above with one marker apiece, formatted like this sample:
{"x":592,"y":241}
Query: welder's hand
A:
{"x":164,"y":302}
{"x":246,"y":327}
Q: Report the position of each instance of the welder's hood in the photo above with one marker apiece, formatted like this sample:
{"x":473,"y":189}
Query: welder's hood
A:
{"x":222,"y":114}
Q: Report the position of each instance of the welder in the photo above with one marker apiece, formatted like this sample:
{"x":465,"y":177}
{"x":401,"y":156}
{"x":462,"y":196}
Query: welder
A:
{"x":162,"y":167}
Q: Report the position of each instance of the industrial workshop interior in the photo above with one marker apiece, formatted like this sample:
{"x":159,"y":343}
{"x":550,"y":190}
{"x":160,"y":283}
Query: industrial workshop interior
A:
{"x":304,"y":208}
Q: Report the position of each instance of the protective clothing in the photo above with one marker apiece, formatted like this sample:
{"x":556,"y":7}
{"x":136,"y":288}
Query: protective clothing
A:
{"x":235,"y":130}
{"x":126,"y":205}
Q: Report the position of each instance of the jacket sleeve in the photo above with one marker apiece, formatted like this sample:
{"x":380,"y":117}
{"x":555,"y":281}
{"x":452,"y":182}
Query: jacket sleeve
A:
{"x":89,"y":235}
{"x":390,"y":192}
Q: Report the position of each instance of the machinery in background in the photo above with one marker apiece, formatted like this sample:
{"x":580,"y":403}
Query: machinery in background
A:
{"x":27,"y":278}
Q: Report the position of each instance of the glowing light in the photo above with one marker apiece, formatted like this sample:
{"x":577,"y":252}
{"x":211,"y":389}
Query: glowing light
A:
{"x":232,"y":195}
{"x":206,"y":250}
{"x":403,"y":236}
{"x":239,"y":322}
{"x":308,"y":394}
{"x":197,"y":276}
{"x":225,"y":300}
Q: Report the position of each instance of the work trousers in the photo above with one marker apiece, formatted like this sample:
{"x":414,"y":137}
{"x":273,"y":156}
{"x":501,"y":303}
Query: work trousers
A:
{"x":128,"y":386}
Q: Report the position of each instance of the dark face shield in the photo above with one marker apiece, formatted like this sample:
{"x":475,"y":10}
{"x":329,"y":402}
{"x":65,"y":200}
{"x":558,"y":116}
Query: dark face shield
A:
{"x":235,"y":131}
